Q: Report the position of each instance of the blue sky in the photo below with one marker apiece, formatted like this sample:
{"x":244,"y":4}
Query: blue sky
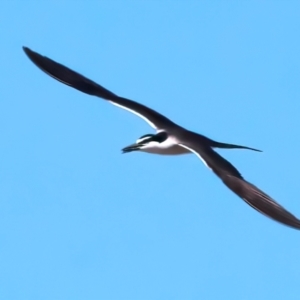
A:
{"x":78,"y":220}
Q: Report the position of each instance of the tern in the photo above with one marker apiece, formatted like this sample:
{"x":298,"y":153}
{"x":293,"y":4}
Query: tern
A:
{"x":172,"y":139}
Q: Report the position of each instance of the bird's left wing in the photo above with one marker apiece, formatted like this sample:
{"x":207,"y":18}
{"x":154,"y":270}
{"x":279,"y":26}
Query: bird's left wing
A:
{"x":87,"y":86}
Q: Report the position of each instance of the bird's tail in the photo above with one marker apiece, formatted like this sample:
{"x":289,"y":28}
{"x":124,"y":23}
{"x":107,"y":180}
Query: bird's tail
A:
{"x":215,"y":144}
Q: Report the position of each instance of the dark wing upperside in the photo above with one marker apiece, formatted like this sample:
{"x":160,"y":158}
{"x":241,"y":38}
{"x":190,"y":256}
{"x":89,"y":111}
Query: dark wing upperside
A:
{"x":85,"y":85}
{"x":247,"y":191}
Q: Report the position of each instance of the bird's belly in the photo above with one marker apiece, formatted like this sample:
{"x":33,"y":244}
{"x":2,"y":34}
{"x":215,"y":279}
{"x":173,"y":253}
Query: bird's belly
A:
{"x":172,"y":150}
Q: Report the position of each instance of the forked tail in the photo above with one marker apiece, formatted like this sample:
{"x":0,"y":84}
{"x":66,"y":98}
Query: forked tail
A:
{"x":230,"y":146}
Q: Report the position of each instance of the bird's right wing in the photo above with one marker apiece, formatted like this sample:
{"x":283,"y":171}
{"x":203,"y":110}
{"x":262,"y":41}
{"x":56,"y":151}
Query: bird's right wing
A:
{"x":247,"y":191}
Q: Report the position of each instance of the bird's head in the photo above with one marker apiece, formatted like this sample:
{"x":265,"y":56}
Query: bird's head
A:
{"x":147,"y":142}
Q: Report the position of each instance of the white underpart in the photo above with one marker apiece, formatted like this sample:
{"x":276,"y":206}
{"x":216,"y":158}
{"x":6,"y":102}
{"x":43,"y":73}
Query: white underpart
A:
{"x":195,"y":152}
{"x":134,"y":112}
{"x":168,"y":147}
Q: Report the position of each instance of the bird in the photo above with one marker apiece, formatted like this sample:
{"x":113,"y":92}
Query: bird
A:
{"x":172,"y":139}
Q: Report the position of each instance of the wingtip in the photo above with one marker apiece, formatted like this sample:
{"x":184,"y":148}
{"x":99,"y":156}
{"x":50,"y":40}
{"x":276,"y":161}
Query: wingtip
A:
{"x":35,"y":57}
{"x":26,"y":49}
{"x":28,"y":52}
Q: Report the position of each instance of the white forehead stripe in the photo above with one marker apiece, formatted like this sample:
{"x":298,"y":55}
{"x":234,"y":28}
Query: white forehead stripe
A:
{"x":142,"y":139}
{"x":134,"y":112}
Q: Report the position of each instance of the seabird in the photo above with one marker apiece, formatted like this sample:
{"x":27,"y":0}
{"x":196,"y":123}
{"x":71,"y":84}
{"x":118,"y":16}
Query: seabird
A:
{"x":172,"y":139}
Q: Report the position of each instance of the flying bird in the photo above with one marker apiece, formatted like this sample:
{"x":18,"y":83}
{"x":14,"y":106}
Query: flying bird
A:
{"x":172,"y":139}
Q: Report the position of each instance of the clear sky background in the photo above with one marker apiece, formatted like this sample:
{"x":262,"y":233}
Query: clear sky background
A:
{"x":79,"y":220}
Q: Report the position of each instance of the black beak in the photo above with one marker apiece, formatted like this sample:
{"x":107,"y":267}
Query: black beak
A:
{"x":133,"y":147}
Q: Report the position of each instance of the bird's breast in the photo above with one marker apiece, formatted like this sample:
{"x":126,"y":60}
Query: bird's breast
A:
{"x":167,"y":147}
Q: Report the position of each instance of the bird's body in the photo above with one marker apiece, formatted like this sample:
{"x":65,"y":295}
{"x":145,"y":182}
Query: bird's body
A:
{"x":172,"y":139}
{"x":167,"y":147}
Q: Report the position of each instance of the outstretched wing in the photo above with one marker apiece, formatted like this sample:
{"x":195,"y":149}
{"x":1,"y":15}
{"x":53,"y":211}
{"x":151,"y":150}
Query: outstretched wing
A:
{"x":85,"y":85}
{"x":247,"y":191}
